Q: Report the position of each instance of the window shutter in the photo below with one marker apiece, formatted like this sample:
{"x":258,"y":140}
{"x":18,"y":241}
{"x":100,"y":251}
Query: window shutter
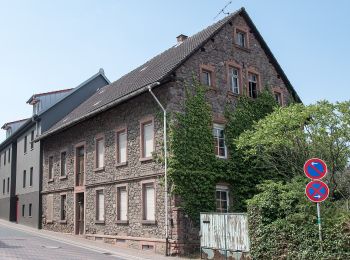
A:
{"x":49,"y":207}
{"x":122,"y":147}
{"x":150,"y":207}
{"x":123,"y":204}
{"x":148,"y":140}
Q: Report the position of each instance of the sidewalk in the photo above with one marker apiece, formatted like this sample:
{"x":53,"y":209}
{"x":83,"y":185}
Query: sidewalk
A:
{"x":87,"y":244}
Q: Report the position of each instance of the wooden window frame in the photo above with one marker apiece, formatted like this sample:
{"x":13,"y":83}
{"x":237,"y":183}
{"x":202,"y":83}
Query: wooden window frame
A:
{"x":98,"y":221}
{"x":219,"y":125}
{"x":238,"y":67}
{"x":211,"y":70}
{"x":118,"y":131}
{"x":259,"y":87}
{"x":223,"y":187}
{"x":143,"y":205}
{"x":277,"y":90}
{"x":63,"y":221}
{"x":143,"y":122}
{"x":76,"y":147}
{"x":245,"y":31}
{"x":98,"y":138}
{"x":51,"y":178}
{"x":118,"y":187}
{"x":66,"y":168}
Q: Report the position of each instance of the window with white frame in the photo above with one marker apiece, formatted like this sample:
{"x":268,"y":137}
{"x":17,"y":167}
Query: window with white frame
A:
{"x":222,"y":198}
{"x":147,"y":139}
{"x":234,"y":79}
{"x":100,"y":205}
{"x":206,"y":77}
{"x":148,"y":201}
{"x":122,"y":203}
{"x":219,"y":141}
{"x":253,"y":85}
{"x":121,"y":146}
{"x":100,"y":153}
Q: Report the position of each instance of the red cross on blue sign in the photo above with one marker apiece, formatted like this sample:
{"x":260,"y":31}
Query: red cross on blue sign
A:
{"x":317,"y":191}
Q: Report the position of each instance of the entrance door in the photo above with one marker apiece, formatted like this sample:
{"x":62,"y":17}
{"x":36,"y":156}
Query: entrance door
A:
{"x":79,"y":214}
{"x":80,"y":157}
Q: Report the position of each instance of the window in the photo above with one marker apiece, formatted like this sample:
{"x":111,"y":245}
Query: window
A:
{"x":30,"y":210}
{"x":241,"y":39}
{"x":219,"y":141}
{"x":63,"y":164}
{"x":234,"y":79}
{"x":121,"y":146}
{"x":3,"y":186}
{"x":50,"y":167}
{"x":4,"y":158}
{"x":147,"y":135}
{"x":80,"y":165}
{"x":222,"y":201}
{"x":9,"y":156}
{"x":24,"y":178}
{"x":32,"y":140}
{"x":100,"y":151}
{"x":63,"y":207}
{"x":206,"y":77}
{"x":25,"y":144}
{"x":8,"y":185}
{"x":122,"y":204}
{"x":278,"y":98}
{"x":23,"y":210}
{"x":148,"y":202}
{"x":100,"y":205}
{"x":49,"y":208}
{"x":253,"y":85}
{"x":31,"y":177}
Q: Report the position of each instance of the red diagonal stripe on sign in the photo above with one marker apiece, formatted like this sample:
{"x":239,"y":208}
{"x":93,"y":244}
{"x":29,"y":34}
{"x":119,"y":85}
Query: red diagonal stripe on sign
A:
{"x":317,"y":170}
{"x":317,"y":191}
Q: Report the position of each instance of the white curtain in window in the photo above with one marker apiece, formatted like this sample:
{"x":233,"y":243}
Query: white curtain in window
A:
{"x":101,"y":206}
{"x":100,"y":153}
{"x":122,"y":147}
{"x":148,"y":140}
{"x":123,"y":204}
{"x":149,"y":200}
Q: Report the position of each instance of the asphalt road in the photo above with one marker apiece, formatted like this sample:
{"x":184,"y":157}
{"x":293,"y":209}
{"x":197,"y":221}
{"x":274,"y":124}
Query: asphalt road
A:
{"x":15,"y":244}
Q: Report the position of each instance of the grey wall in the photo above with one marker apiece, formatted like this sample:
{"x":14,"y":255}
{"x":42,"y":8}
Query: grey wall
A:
{"x":65,"y":106}
{"x":5,"y":173}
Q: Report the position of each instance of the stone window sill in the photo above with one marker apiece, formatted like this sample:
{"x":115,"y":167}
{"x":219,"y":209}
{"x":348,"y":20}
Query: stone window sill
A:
{"x":63,"y":221}
{"x":148,"y":222}
{"x":232,"y":94}
{"x":101,"y":169}
{"x":121,"y":164}
{"x":146,"y":159}
{"x":63,"y":177}
{"x":242,"y":48}
{"x":124,"y":222}
{"x":101,"y":222}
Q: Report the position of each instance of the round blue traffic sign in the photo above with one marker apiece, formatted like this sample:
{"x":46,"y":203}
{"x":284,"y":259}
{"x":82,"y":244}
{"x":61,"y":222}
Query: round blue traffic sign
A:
{"x":315,"y":169}
{"x":317,"y":191}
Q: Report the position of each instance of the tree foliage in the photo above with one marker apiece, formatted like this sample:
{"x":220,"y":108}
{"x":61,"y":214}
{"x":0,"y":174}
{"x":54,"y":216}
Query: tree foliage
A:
{"x":283,"y":224}
{"x":289,"y":136}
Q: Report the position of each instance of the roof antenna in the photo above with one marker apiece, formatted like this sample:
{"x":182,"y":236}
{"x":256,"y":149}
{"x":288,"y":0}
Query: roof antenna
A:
{"x":223,"y":10}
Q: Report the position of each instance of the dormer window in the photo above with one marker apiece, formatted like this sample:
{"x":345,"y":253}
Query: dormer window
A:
{"x":8,"y":132}
{"x":36,"y":108}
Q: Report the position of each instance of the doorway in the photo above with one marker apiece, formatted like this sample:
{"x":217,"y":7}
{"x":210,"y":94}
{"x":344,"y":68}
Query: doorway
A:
{"x":79,"y":214}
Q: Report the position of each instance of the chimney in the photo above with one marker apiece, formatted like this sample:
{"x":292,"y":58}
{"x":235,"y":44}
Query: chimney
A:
{"x":181,"y":38}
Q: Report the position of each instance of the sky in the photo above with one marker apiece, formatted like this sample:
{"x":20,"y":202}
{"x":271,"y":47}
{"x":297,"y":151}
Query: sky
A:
{"x":51,"y":45}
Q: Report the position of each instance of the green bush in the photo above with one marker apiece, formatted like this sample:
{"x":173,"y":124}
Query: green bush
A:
{"x":283,"y":224}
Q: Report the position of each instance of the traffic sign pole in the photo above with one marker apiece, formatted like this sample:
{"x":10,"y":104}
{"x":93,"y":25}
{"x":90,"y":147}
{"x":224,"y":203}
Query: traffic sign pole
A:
{"x":319,"y":225}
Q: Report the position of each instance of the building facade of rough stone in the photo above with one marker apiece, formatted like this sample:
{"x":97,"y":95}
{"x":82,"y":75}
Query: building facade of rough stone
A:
{"x":99,"y":179}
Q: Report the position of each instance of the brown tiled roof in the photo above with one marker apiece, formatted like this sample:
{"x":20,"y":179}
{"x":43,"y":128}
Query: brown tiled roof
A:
{"x":156,"y":69}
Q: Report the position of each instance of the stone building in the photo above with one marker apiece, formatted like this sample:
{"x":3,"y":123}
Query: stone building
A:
{"x":99,"y":179}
